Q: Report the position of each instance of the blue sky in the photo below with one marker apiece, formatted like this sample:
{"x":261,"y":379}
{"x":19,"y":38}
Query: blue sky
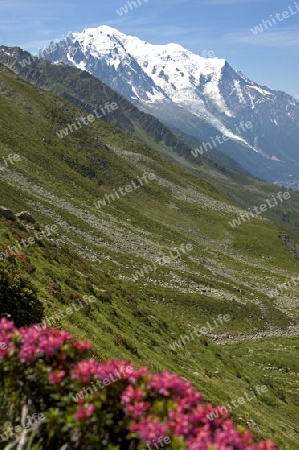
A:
{"x":270,"y":57}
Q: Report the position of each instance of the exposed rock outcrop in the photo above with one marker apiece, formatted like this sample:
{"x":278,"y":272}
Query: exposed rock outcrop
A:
{"x":25,"y":215}
{"x":7,"y":213}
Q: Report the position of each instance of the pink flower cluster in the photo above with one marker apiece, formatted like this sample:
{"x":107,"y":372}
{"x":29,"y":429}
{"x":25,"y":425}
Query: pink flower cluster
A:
{"x":86,"y":370}
{"x":188,"y":417}
{"x":56,"y":377}
{"x":35,"y":342}
{"x":85,"y":412}
{"x":41,"y":342}
{"x":153,"y":406}
{"x":6,"y":332}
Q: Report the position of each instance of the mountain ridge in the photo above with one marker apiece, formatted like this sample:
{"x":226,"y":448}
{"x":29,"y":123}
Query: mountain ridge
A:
{"x":201,"y":97}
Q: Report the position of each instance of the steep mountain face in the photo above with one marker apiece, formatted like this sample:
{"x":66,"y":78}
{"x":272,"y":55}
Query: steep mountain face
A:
{"x":204,"y":98}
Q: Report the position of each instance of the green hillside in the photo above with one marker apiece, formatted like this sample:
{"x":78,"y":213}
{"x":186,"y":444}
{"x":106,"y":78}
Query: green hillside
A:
{"x":102,"y":251}
{"x":90,"y":94}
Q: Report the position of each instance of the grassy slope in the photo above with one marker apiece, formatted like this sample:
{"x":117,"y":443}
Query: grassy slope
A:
{"x":243,"y":190}
{"x":138,"y":320}
{"x":89,"y":93}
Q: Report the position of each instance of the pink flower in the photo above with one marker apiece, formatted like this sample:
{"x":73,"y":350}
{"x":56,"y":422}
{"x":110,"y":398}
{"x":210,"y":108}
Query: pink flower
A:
{"x":6,"y":325}
{"x":180,"y":423}
{"x":56,"y":377}
{"x":5,"y":347}
{"x":168,"y":384}
{"x":267,"y":445}
{"x":150,"y":429}
{"x":137,"y":409}
{"x":118,"y":369}
{"x":85,"y":369}
{"x":131,"y":395}
{"x":79,"y":345}
{"x":84,"y":413}
{"x":137,"y":374}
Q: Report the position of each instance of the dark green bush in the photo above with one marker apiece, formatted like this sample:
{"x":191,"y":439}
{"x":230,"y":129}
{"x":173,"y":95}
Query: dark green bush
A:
{"x":18,"y":298}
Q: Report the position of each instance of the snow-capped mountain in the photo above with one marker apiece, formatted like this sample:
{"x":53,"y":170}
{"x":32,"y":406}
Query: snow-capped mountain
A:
{"x":200,"y":97}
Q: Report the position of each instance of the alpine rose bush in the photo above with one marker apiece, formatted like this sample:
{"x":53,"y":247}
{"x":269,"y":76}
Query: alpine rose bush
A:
{"x":89,"y":405}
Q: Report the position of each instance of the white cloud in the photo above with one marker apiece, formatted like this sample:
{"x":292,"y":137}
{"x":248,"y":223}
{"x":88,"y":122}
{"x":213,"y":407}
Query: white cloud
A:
{"x":268,"y":38}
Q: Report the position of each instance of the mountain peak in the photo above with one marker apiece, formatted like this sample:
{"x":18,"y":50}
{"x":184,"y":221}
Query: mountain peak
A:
{"x":202,"y":97}
{"x":102,"y":29}
{"x":103,"y":34}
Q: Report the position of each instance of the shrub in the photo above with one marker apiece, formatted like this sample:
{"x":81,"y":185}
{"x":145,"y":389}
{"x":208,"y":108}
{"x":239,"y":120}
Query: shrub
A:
{"x":67,"y":401}
{"x":18,"y":298}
